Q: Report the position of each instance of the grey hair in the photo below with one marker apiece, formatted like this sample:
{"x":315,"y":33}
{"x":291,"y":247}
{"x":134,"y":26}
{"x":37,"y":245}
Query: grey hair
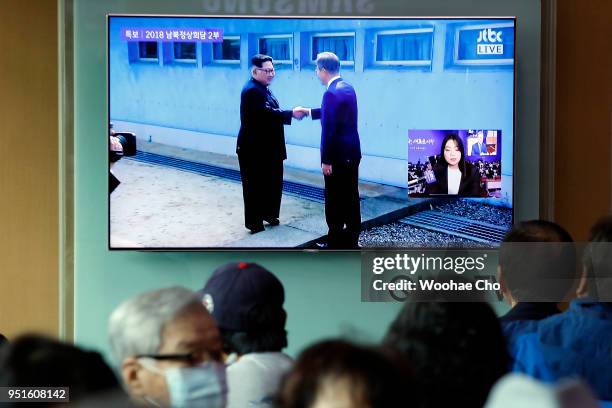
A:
{"x":328,"y":61}
{"x":135,"y":326}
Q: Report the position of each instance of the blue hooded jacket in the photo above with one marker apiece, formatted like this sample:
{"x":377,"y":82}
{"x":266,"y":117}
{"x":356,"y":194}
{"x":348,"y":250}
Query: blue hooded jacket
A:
{"x":577,"y":343}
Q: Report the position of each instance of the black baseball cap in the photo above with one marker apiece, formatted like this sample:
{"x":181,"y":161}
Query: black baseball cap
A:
{"x":237,"y":290}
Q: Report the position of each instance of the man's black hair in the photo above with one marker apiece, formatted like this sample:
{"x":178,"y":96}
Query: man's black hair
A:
{"x":258,"y":59}
{"x":597,"y":260}
{"x":454,"y":347}
{"x":538,"y":261}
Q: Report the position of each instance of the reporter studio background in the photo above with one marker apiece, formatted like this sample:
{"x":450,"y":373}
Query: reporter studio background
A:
{"x":181,"y":99}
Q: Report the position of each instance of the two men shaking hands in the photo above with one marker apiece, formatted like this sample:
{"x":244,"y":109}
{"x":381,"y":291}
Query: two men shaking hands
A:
{"x":261,"y":149}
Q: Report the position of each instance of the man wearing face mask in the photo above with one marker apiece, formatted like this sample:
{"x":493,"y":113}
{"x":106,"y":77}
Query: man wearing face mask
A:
{"x":246,"y":300}
{"x":168,"y":350}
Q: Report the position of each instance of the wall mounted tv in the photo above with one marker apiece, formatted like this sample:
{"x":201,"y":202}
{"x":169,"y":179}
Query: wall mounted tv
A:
{"x":432,"y":132}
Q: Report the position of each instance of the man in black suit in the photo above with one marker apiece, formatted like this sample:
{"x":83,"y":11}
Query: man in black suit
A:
{"x":340,"y":154}
{"x":261,"y":146}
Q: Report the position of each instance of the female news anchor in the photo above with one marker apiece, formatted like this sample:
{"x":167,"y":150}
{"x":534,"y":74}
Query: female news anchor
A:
{"x":454,"y":176}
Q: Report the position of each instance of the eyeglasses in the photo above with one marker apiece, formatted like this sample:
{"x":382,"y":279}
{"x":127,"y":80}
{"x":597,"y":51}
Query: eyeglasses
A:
{"x":191,"y":358}
{"x":268,"y":71}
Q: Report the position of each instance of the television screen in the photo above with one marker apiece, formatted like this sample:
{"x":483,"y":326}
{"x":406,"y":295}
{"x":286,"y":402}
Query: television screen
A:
{"x":298,"y":133}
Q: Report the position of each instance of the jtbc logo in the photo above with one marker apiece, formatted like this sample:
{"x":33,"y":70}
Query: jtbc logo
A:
{"x":489,"y":35}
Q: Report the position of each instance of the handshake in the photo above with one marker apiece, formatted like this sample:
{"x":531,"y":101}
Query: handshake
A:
{"x":299,"y":112}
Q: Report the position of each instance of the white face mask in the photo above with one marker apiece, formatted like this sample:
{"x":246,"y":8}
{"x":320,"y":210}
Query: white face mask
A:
{"x":202,"y":386}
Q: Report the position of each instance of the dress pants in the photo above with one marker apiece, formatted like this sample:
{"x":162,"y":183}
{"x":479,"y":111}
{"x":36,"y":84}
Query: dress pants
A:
{"x":342,"y":208}
{"x":262,"y":189}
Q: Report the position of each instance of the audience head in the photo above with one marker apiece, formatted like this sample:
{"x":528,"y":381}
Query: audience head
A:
{"x":246,"y":301}
{"x":336,"y":373}
{"x":537,"y":262}
{"x":457,"y":349}
{"x":521,"y":391}
{"x":168,"y":349}
{"x":38,"y":361}
{"x":597,"y":262}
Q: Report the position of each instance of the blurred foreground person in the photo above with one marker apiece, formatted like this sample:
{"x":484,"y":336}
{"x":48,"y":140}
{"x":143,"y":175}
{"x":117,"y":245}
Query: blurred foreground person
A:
{"x":457,"y":350}
{"x":38,"y":361}
{"x":168,"y":350}
{"x":520,"y":391}
{"x":246,"y":301}
{"x":537,"y":270}
{"x":338,"y":374}
{"x":578,"y":342}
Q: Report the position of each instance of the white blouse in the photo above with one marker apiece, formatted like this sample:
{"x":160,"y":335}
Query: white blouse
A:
{"x":454,"y":178}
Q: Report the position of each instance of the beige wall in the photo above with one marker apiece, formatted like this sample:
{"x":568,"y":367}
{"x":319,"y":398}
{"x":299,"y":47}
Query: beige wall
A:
{"x":29,"y":167}
{"x":583,"y":114}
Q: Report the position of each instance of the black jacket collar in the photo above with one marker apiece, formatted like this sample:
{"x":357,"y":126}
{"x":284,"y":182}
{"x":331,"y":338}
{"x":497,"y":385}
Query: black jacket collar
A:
{"x":530,"y":311}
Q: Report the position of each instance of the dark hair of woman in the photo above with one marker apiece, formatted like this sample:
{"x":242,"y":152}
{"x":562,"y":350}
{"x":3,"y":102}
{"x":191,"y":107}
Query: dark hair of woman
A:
{"x":457,"y":349}
{"x":365,"y":376}
{"x":454,"y":137}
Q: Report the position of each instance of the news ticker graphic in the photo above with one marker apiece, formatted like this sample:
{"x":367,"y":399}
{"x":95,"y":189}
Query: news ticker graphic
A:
{"x":214,"y":35}
{"x":540,"y":272}
{"x":34,"y":394}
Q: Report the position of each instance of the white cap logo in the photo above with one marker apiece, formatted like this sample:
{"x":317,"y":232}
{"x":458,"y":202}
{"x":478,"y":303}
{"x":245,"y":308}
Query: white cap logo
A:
{"x":208,"y":302}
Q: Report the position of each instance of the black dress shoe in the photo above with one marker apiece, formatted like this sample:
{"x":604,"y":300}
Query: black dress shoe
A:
{"x":272,"y":221}
{"x":256,"y":228}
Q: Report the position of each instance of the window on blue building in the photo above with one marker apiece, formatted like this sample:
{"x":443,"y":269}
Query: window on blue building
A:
{"x":404,"y":47}
{"x":278,"y":47}
{"x":185,"y":51}
{"x":341,"y":44}
{"x":228,"y":50}
{"x":147,"y":50}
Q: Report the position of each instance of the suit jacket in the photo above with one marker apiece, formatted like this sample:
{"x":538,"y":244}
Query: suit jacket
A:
{"x":469,"y":186}
{"x":478,"y":152}
{"x":261,"y":123}
{"x":338,"y":114}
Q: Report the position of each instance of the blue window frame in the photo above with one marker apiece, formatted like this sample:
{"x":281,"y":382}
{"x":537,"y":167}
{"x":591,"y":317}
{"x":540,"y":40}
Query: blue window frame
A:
{"x":228,"y":51}
{"x":411,"y":47}
{"x":341,"y":44}
{"x":184,"y":51}
{"x":279,"y":47}
{"x":148,"y":51}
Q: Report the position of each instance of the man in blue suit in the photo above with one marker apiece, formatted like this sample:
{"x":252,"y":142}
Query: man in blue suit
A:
{"x":340,"y":154}
{"x":479,"y":148}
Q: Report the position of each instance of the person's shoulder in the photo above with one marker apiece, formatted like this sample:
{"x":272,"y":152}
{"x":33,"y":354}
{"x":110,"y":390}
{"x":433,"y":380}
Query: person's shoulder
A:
{"x":266,"y":357}
{"x":330,"y":94}
{"x":260,"y":364}
{"x":251,"y":87}
{"x":342,"y":85}
{"x":471,"y":170}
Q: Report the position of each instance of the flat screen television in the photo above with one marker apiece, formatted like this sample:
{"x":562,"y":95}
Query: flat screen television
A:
{"x":435,"y":121}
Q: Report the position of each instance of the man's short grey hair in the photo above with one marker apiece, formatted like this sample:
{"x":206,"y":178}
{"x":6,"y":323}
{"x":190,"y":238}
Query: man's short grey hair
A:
{"x":328,"y":61}
{"x":135,"y":326}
